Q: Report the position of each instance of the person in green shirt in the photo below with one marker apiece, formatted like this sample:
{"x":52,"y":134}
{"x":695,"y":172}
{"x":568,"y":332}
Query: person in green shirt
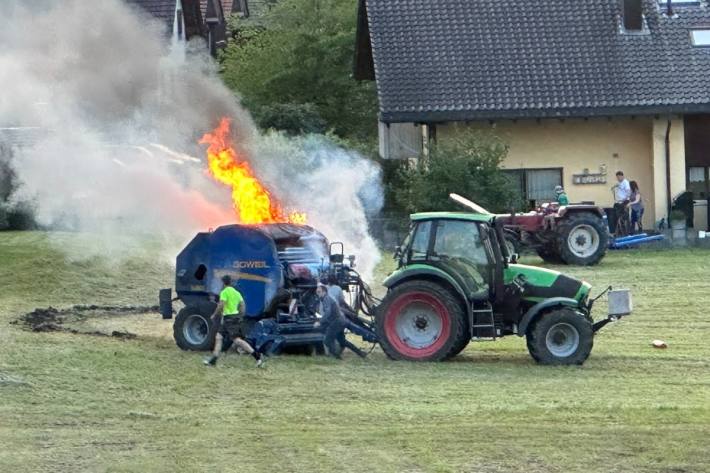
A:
{"x":561,"y":196}
{"x":230,"y":313}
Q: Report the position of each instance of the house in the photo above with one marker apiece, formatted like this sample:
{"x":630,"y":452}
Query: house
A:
{"x":578,"y":89}
{"x":182,"y":19}
{"x":217,"y":12}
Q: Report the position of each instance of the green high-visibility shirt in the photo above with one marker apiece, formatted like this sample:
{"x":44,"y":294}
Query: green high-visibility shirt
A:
{"x":562,"y":199}
{"x":231,"y":298}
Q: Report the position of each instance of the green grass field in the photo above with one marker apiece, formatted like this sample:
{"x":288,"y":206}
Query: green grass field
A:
{"x":85,"y":403}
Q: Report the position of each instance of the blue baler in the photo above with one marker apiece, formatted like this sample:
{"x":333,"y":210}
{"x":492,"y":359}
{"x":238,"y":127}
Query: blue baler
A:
{"x":271,"y":264}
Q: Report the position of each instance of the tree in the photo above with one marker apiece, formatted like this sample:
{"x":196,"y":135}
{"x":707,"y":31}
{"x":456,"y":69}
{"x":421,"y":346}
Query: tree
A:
{"x":300,"y":53}
{"x":465,"y":162}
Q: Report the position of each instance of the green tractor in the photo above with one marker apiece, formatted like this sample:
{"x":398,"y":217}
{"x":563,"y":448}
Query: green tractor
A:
{"x":456,"y":282}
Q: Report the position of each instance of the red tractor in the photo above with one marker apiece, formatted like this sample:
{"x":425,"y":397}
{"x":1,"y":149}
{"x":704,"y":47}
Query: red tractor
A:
{"x":568,"y":234}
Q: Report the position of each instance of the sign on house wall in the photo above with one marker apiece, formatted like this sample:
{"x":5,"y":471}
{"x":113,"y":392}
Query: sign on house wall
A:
{"x":587,"y":177}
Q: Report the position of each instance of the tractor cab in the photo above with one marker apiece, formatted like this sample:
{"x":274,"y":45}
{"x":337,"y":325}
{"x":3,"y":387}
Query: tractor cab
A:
{"x":458,"y":244}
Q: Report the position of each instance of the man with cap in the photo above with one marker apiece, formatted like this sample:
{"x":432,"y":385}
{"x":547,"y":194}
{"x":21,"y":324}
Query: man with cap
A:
{"x":334,"y":323}
{"x":561,"y":195}
{"x":230,"y":313}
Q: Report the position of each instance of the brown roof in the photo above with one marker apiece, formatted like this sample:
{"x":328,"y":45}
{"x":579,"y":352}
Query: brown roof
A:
{"x":227,"y":6}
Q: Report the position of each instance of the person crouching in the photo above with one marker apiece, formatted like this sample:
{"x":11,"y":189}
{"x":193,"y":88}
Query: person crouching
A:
{"x":334,"y":323}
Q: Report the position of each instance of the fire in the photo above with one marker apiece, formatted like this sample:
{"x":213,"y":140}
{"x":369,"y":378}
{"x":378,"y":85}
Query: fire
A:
{"x":252,"y":201}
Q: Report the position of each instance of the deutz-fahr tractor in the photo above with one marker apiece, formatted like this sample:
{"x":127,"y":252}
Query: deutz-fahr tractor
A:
{"x":571,"y":234}
{"x":456,"y":282}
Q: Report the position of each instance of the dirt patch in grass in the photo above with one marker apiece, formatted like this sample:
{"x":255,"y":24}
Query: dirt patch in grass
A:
{"x":64,"y":320}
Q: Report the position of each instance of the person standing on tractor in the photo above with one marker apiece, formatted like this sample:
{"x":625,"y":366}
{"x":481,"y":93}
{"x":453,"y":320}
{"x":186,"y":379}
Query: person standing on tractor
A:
{"x":636,"y":208}
{"x":334,"y":323}
{"x":622,"y":196}
{"x":562,"y":198}
{"x":230,"y":313}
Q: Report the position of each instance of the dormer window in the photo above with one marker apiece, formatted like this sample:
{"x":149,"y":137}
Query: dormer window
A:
{"x":633,"y":21}
{"x":700,"y":38}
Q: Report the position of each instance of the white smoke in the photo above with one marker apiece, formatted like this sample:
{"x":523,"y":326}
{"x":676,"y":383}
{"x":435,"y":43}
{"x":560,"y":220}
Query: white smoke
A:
{"x":122,"y":111}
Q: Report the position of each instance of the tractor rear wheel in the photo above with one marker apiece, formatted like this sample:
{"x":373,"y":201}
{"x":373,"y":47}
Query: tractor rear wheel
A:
{"x":560,"y":337}
{"x":582,"y":239}
{"x":193,"y":328}
{"x":421,"y":321}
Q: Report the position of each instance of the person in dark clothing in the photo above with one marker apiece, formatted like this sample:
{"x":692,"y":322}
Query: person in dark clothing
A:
{"x":637,"y":208}
{"x":334,"y":323}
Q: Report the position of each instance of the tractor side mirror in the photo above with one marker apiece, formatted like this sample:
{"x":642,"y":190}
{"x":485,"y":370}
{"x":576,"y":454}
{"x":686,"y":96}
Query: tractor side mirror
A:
{"x":397,"y":252}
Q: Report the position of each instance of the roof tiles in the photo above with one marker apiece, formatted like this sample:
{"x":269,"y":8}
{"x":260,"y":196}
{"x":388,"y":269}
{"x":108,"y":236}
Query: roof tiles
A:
{"x":465,"y":60}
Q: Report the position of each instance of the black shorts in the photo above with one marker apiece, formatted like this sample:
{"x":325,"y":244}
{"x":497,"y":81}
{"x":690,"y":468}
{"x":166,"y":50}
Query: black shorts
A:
{"x":233,"y":327}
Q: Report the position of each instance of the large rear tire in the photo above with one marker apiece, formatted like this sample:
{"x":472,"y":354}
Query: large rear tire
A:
{"x":561,"y":337}
{"x":582,"y":239}
{"x":421,"y":321}
{"x":193,"y":329}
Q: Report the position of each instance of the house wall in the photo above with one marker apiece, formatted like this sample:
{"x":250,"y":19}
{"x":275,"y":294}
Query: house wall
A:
{"x":635,"y":146}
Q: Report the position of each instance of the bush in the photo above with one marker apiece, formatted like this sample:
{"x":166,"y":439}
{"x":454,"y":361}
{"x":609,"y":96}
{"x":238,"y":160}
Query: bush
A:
{"x":301,"y":52}
{"x":465,"y":162}
{"x":294,"y":119}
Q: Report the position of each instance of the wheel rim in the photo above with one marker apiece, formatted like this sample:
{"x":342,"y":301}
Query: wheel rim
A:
{"x":562,"y":340}
{"x":417,"y":324}
{"x":583,"y":241}
{"x":196,"y":329}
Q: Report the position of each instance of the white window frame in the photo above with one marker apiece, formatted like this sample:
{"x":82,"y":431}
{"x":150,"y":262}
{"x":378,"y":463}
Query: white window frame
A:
{"x":679,"y":2}
{"x":706,"y":37}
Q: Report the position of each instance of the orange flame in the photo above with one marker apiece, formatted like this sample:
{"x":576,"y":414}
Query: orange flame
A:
{"x":252,"y":201}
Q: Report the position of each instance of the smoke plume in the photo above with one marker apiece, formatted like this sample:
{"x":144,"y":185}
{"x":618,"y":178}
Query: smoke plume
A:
{"x":121,"y":108}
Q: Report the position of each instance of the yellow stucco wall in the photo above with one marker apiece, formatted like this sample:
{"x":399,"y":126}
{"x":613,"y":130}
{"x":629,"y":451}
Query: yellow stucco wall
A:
{"x":615,"y":144}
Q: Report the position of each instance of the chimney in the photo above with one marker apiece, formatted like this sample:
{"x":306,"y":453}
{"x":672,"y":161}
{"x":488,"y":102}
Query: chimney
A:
{"x":633,"y":15}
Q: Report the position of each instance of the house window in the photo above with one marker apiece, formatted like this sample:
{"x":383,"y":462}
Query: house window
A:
{"x":536,"y":185}
{"x":699,"y":182}
{"x":700,"y":37}
{"x":679,"y":2}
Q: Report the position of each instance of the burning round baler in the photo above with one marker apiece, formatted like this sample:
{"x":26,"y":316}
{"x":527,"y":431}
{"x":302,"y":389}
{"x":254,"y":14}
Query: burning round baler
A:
{"x":275,"y":266}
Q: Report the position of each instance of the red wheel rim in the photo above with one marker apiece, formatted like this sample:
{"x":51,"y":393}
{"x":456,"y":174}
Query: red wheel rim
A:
{"x":417,"y":324}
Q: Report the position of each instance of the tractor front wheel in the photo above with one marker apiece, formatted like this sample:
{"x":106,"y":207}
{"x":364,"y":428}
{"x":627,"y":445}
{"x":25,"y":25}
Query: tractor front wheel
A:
{"x":549,"y":256}
{"x":421,"y":321}
{"x":560,"y":337}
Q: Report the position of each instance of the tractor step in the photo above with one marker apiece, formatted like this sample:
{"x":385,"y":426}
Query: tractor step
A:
{"x":483,"y":318}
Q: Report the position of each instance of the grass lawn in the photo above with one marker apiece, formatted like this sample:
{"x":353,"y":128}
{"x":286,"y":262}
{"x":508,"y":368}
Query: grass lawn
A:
{"x":86,"y":403}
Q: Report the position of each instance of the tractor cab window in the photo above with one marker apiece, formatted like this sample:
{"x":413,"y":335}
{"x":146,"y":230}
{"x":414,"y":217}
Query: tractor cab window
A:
{"x":420,"y":241}
{"x":459,"y":243}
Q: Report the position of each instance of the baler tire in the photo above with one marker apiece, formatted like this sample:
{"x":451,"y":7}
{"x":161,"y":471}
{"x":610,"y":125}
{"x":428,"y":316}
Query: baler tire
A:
{"x":446,"y":308}
{"x":568,"y":225}
{"x":563,"y":322}
{"x":204,"y":311}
